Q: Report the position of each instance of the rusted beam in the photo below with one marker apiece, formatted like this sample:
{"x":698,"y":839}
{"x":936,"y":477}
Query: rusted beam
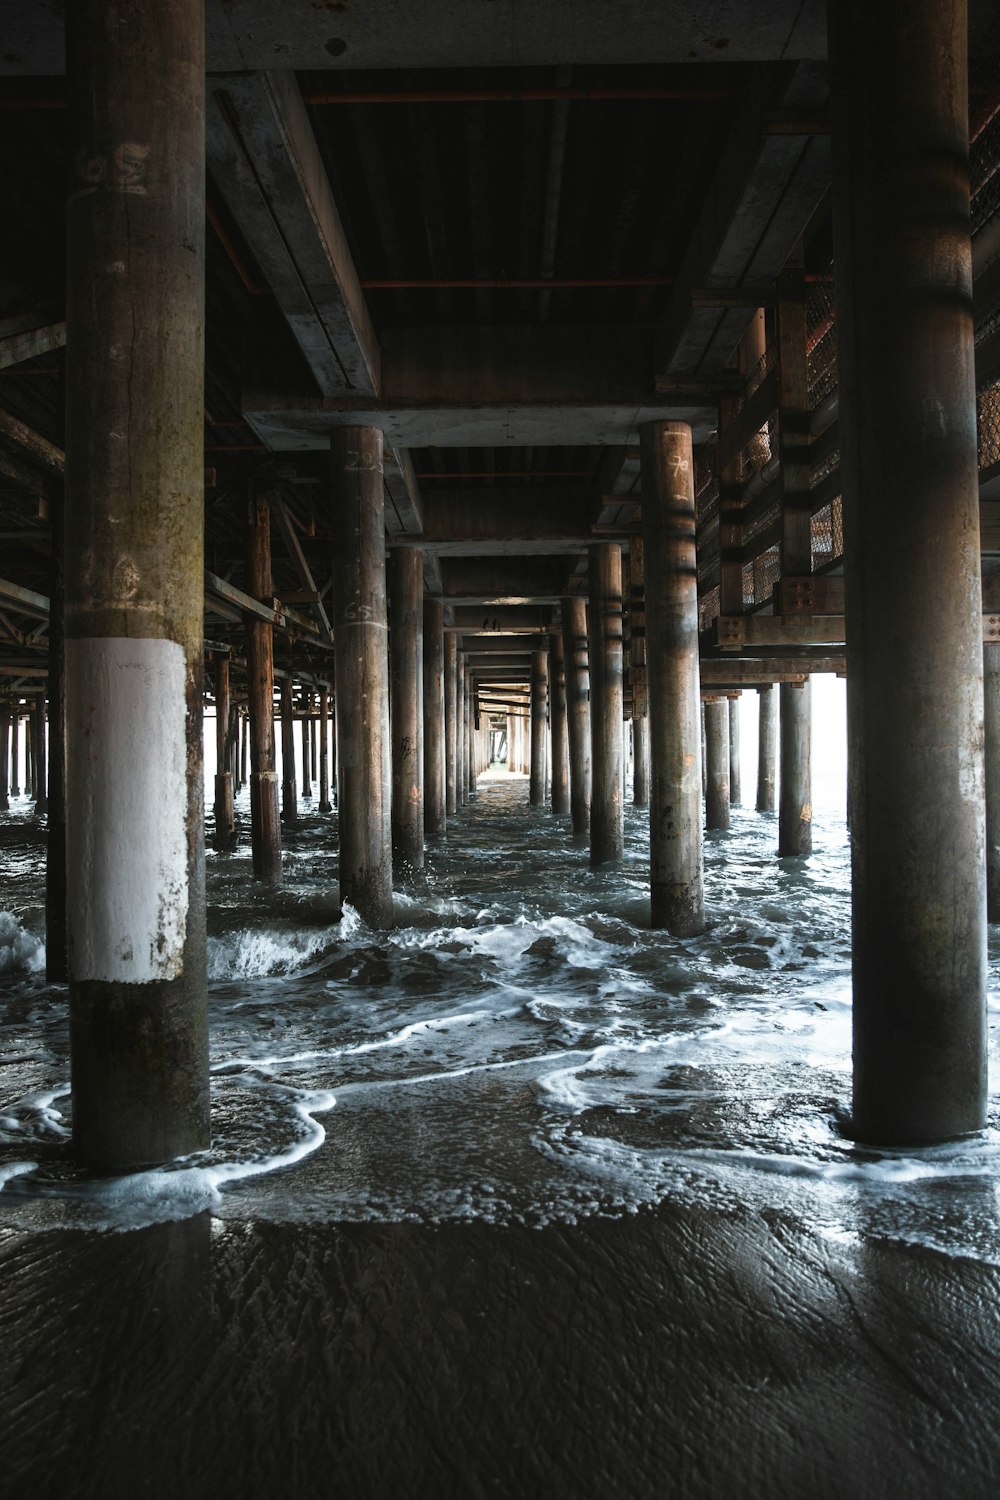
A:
{"x":266,"y":164}
{"x":733,"y":632}
{"x":816,"y":594}
{"x":26,"y":601}
{"x":747,"y":423}
{"x":32,"y":442}
{"x":294,"y":548}
{"x":28,"y":343}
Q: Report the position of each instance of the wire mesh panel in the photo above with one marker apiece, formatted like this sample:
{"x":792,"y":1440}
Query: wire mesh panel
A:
{"x":984,"y":170}
{"x":708,"y":503}
{"x":763,"y":522}
{"x":838,"y":527}
{"x":821,"y":534}
{"x":988,"y":420}
{"x":708,"y":608}
{"x":768,"y":575}
{"x":824,"y":468}
{"x":821,"y":343}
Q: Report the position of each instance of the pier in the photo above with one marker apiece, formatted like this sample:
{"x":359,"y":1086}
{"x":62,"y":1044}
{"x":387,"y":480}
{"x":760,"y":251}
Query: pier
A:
{"x":421,"y":390}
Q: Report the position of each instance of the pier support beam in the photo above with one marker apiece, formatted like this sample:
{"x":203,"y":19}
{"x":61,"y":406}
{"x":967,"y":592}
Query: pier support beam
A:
{"x":244,"y":748}
{"x":225,"y":817}
{"x":795,"y":803}
{"x":15,"y":752}
{"x":38,"y":737}
{"x":289,"y":801}
{"x":914,"y":633}
{"x":308,"y":771}
{"x":4,"y":753}
{"x":717,"y":763}
{"x":607,"y":834}
{"x":991,"y":706}
{"x":434,"y":718}
{"x":362,"y":672}
{"x":677,"y":900}
{"x":451,"y":722}
{"x":461,"y":732}
{"x":56,"y":894}
{"x":575,"y":654}
{"x":558,"y":734}
{"x":471,"y":733}
{"x":539,"y":714}
{"x":735,"y":777}
{"x":767,"y":746}
{"x":325,"y":805}
{"x":265,"y":823}
{"x":406,"y":686}
{"x":640,"y":760}
{"x":135,"y":581}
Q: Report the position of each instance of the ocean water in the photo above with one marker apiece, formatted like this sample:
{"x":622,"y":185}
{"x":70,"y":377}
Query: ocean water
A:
{"x":521,"y":1048}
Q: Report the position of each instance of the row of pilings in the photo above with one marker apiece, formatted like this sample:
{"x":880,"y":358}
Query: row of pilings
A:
{"x":134,"y":591}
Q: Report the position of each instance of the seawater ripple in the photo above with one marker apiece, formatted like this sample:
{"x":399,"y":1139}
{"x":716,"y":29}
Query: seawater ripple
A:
{"x":520,"y":1048}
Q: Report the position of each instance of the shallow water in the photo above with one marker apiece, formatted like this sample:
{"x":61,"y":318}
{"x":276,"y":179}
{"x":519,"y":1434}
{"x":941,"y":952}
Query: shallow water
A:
{"x":520,"y":1049}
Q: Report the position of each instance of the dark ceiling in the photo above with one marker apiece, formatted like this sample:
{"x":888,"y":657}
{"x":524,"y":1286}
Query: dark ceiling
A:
{"x":556,"y":179}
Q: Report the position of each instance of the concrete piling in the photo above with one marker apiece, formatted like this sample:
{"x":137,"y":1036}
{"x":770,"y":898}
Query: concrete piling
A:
{"x":435,"y":816}
{"x":899,"y":122}
{"x":607,"y":833}
{"x":640,"y":760}
{"x":671,"y":598}
{"x":135,"y":581}
{"x":539,"y":726}
{"x":289,"y":793}
{"x":406,"y":689}
{"x":451,"y":722}
{"x":795,"y":798}
{"x":991,"y":708}
{"x":735,"y":773}
{"x":576,"y":660}
{"x":305,"y":720}
{"x":4,"y":753}
{"x":767,"y":746}
{"x":362,"y":672}
{"x":265,"y":822}
{"x":325,"y":805}
{"x":716,"y":763}
{"x":558,"y":736}
{"x":225,"y":817}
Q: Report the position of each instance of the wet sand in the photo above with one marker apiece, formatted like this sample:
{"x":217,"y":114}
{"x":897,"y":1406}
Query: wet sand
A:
{"x":675,"y":1352}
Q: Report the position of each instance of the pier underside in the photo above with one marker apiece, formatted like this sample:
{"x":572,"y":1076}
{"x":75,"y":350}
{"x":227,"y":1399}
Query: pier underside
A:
{"x":416,"y":395}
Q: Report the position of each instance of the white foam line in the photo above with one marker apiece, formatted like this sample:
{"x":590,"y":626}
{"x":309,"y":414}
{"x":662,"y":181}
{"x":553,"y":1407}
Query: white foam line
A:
{"x":393,"y":1083}
{"x":561,"y":1085}
{"x":396,"y":1040}
{"x":15,"y":1169}
{"x":43,"y":1102}
{"x":188,"y":1190}
{"x":884,"y":1170}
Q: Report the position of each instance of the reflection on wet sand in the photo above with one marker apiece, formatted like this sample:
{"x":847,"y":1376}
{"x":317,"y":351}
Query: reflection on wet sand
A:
{"x":672,"y":1352}
{"x":520,"y":1198}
